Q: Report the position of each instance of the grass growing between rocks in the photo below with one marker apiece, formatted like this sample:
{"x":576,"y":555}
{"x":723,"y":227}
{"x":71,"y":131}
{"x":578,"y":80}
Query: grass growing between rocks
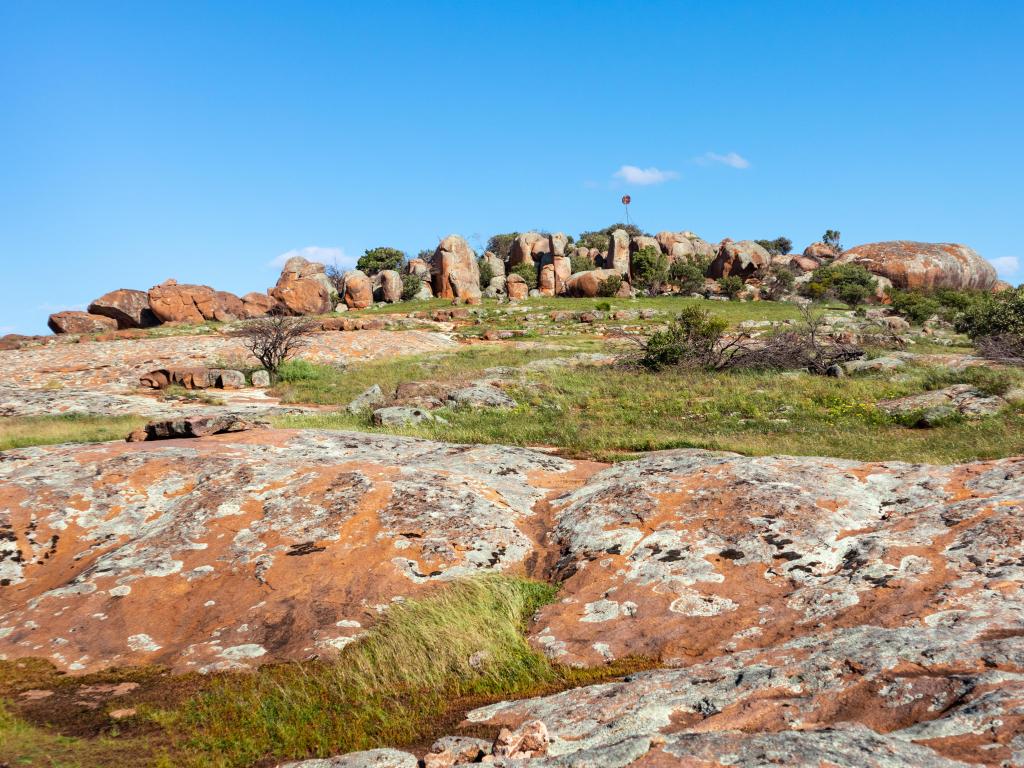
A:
{"x":26,"y":431}
{"x":611,"y":413}
{"x":394,"y":686}
{"x":407,"y":680}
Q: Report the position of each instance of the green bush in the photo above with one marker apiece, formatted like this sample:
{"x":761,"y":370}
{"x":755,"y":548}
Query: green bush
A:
{"x":915,"y":307}
{"x":989,"y":381}
{"x":777,"y":283}
{"x":649,"y":267}
{"x":776,"y":247}
{"x":528,"y":272}
{"x":501,"y":245}
{"x":687,"y":276}
{"x":486,"y":273}
{"x":731,"y":285}
{"x":998,"y":314}
{"x":692,"y":337}
{"x":609,"y":286}
{"x":580,"y":263}
{"x":378,"y":259}
{"x":852,"y":284}
{"x":410,"y":287}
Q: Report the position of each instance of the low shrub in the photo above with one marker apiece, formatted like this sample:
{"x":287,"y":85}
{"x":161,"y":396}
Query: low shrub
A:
{"x":486,"y":273}
{"x":610,"y":286}
{"x":778,"y":282}
{"x":649,"y":267}
{"x":528,"y":272}
{"x":851,"y":284}
{"x":993,"y":315}
{"x":580,"y":263}
{"x":410,"y":287}
{"x":687,"y":276}
{"x":731,"y":285}
{"x":990,"y":381}
{"x":914,"y":306}
{"x":501,"y":245}
{"x":377,"y":260}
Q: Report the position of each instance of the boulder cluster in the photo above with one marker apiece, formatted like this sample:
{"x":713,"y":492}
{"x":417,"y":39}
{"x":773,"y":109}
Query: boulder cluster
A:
{"x":453,"y":272}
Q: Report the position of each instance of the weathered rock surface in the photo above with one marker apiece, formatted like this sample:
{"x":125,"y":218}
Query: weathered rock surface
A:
{"x":256,"y":304}
{"x":80,"y":322}
{"x":454,"y":270}
{"x":172,"y":302}
{"x":237,"y":549}
{"x":128,"y":308}
{"x":358,"y":292}
{"x":587,"y":284}
{"x":528,"y":248}
{"x":618,"y":252}
{"x":959,"y":399}
{"x":739,"y":259}
{"x":516,"y":287}
{"x":299,"y":295}
{"x":924,"y":266}
{"x":390,"y":286}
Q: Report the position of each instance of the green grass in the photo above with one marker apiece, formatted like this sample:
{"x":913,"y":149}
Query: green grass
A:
{"x":609,"y":413}
{"x":22,"y":432}
{"x":394,"y":686}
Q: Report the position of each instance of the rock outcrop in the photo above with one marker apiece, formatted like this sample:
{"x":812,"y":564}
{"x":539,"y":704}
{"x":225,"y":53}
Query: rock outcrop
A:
{"x":917,"y":266}
{"x":684,"y":245}
{"x":528,"y":248}
{"x":516,"y":287}
{"x":587,"y":284}
{"x":172,"y":302}
{"x":454,"y":270}
{"x":258,"y":304}
{"x":618,"y":252}
{"x":128,"y":308}
{"x":80,"y":322}
{"x":740,"y":259}
{"x":303,"y":288}
{"x":358,"y":290}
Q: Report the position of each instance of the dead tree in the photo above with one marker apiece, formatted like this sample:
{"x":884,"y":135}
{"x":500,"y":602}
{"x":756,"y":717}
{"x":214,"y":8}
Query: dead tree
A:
{"x":275,"y":338}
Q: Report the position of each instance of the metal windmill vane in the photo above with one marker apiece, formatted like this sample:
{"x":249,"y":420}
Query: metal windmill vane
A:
{"x":626,"y":200}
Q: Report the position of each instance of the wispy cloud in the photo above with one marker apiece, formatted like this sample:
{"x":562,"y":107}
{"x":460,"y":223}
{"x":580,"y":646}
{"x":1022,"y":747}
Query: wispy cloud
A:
{"x":644,"y":176}
{"x":323,"y":254}
{"x":1006,"y":265}
{"x":731,"y":159}
{"x":49,"y":308}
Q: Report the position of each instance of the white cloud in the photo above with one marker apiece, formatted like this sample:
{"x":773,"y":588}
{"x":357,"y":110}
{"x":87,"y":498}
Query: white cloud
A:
{"x":732,"y":159}
{"x":644,"y":176}
{"x":49,"y":308}
{"x":1006,"y":265}
{"x":325,"y":255}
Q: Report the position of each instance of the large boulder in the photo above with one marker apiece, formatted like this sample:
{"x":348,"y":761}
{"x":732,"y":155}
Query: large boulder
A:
{"x":913,"y":266}
{"x":80,"y":322}
{"x":638,"y":242}
{"x":129,"y":308}
{"x":256,"y":304}
{"x":741,"y":259}
{"x":304,"y":288}
{"x":418,"y":267}
{"x":527,"y":248}
{"x":557,"y":243}
{"x":390,"y":286}
{"x":684,"y":246}
{"x":358,"y":290}
{"x":820,"y":252}
{"x":587,"y":284}
{"x":618,"y":252}
{"x":172,"y":302}
{"x":495,"y":262}
{"x":516,"y":287}
{"x":454,"y":270}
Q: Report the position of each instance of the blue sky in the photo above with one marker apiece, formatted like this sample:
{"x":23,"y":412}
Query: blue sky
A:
{"x":202,"y":140}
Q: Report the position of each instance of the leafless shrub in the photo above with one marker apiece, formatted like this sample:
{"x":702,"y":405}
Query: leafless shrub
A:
{"x":1006,"y":348}
{"x":337,"y":277}
{"x":696,"y":340}
{"x":275,"y":338}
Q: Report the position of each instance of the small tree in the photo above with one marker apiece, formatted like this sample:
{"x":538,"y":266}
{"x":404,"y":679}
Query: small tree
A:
{"x":275,"y":338}
{"x":426,"y":255}
{"x":501,"y":245}
{"x":851,"y":284}
{"x":831,"y":239}
{"x":776,"y":247}
{"x":411,"y":285}
{"x":777,"y":283}
{"x":580,"y":263}
{"x":687,"y":276}
{"x":486,"y":272}
{"x":378,"y":259}
{"x":650,"y":269}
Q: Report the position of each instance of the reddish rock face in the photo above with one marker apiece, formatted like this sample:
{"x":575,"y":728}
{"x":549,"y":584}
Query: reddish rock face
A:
{"x":301,"y":295}
{"x":174,"y":303}
{"x":516,"y":287}
{"x":820,"y":252}
{"x":257,"y":304}
{"x":587,"y":284}
{"x":528,"y":248}
{"x":391,"y":286}
{"x":239,"y":549}
{"x":618,"y":252}
{"x":130,"y":309}
{"x":741,"y":259}
{"x":418,"y":267}
{"x":454,"y":270}
{"x":80,"y":322}
{"x":358,"y":290}
{"x":684,"y":245}
{"x":924,"y":266}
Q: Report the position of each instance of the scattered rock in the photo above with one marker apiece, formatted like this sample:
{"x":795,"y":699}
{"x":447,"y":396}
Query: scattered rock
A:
{"x":189,"y":378}
{"x":261,"y":379}
{"x":194,"y":426}
{"x":128,"y":308}
{"x":402,"y":416}
{"x":369,"y":398}
{"x":527,"y":741}
{"x":874,"y":364}
{"x":481,"y":396}
{"x":374,"y":758}
{"x":936,"y":406}
{"x":80,"y":322}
